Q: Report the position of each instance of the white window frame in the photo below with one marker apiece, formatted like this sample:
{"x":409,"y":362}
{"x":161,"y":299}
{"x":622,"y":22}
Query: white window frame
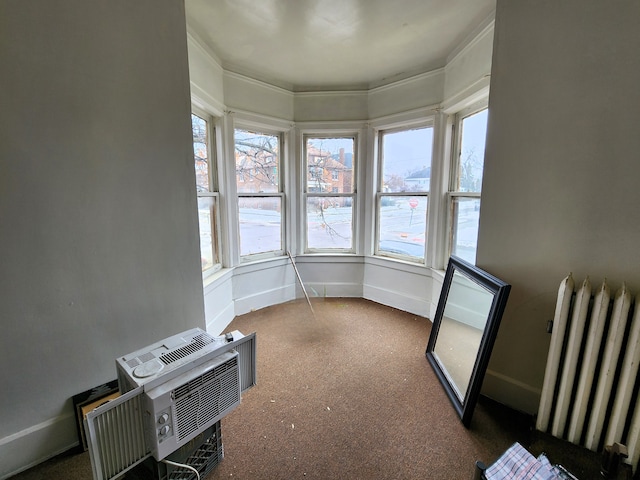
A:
{"x":213,"y":191}
{"x":282,"y":143}
{"x":454,"y":193}
{"x":429,"y":237}
{"x":353,"y":195}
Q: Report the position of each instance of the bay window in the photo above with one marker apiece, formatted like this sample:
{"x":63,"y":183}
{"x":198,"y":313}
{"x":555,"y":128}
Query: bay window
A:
{"x":206,"y":188}
{"x":466,"y":182}
{"x":404,"y":161}
{"x":259,"y":190}
{"x":329,"y":192}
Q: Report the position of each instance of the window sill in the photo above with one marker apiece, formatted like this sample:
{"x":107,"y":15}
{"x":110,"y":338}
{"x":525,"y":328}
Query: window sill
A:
{"x":217,"y":277}
{"x":398,"y":264}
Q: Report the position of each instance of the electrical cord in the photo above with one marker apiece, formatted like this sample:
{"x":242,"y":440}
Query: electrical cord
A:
{"x":182,"y":465}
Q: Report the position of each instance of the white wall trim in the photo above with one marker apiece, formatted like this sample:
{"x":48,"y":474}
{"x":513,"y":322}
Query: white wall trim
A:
{"x":405,"y":118}
{"x":37,"y":443}
{"x":484,"y":28}
{"x":397,"y":299}
{"x":330,"y":290}
{"x":34,"y":428}
{"x":407,"y":81}
{"x":260,"y":120}
{"x":202,"y":46}
{"x":332,"y":93}
{"x":258,"y":83}
{"x":202,"y":99}
{"x":400,"y":265}
{"x":471,"y":94}
{"x":218,"y":301}
{"x":437,"y":277}
{"x":329,"y":257}
{"x":219,"y":322}
{"x":342,"y":126}
{"x":264,"y":298}
{"x":512,"y":392}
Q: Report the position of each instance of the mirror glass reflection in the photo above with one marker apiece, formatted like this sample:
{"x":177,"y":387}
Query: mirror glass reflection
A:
{"x":464,"y":329}
{"x":461,"y":329}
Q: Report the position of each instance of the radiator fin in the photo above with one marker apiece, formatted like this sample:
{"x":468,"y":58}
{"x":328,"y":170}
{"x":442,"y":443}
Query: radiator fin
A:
{"x":576,"y":331}
{"x":589,"y":363}
{"x":592,"y":369}
{"x":560,"y":321}
{"x":628,"y":374}
{"x":610,"y":356}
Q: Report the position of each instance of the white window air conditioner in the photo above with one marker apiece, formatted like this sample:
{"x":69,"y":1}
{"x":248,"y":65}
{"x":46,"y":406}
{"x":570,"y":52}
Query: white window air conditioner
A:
{"x":171,"y":391}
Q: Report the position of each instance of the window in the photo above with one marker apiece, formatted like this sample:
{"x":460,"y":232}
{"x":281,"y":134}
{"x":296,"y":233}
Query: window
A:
{"x":466,"y":183}
{"x":207,"y":193}
{"x":403,"y":192}
{"x":329,"y":187}
{"x":259,"y":187}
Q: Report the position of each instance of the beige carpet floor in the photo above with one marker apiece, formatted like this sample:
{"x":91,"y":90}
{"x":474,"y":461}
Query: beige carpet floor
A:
{"x":349,"y":394}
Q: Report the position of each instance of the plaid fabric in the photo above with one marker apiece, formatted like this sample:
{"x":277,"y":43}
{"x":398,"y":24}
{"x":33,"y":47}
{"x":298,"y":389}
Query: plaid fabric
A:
{"x":518,"y":464}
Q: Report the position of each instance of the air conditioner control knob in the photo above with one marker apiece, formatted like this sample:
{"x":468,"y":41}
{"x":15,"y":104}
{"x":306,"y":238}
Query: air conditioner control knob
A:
{"x":164,"y":430}
{"x":162,"y":419}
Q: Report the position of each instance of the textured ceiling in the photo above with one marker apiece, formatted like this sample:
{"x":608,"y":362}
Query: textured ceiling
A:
{"x":333,"y":44}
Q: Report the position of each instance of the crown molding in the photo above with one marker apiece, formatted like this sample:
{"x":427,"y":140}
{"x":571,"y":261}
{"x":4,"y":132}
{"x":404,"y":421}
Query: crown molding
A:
{"x":260,"y":120}
{"x":417,"y":115}
{"x":476,"y":35}
{"x":197,"y":41}
{"x":257,"y":83}
{"x":332,"y":93}
{"x":474,"y":92}
{"x":203,"y":100}
{"x":407,"y":81}
{"x":327,"y":126}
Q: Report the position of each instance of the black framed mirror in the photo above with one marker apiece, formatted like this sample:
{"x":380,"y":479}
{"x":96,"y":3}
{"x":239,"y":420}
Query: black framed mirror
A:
{"x":464,"y":330}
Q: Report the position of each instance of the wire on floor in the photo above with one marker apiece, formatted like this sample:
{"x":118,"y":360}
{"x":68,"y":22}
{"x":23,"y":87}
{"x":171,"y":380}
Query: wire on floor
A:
{"x":182,"y":465}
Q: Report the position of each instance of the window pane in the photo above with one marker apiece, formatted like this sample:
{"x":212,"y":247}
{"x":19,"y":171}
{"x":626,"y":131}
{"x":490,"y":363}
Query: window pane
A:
{"x":406,"y":160}
{"x":473,"y":137}
{"x":257,"y":162}
{"x":260,"y":225}
{"x":466,"y":216}
{"x":329,"y":222}
{"x":330,"y":165}
{"x":200,"y":152}
{"x":208,"y":234}
{"x":403,"y":225}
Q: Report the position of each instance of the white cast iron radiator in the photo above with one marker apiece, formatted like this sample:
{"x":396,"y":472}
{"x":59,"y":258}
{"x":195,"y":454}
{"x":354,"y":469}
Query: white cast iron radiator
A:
{"x":589,"y":395}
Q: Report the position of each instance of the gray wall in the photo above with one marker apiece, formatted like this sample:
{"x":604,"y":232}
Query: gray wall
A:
{"x":561,"y":183}
{"x":98,"y":217}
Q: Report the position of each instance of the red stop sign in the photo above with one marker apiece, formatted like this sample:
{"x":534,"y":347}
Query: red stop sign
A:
{"x":413,"y":203}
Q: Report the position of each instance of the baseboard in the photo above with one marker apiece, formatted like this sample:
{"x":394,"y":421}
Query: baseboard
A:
{"x":331,"y":290}
{"x":218,"y":322}
{"x":31,"y":446}
{"x":399,"y":300}
{"x":511,"y":392}
{"x":264,"y":299}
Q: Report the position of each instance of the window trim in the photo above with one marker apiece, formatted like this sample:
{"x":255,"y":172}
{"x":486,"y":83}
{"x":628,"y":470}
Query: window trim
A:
{"x":239,"y":124}
{"x":214,"y":190}
{"x":456,"y":152}
{"x":382,"y":130}
{"x":305,"y":194}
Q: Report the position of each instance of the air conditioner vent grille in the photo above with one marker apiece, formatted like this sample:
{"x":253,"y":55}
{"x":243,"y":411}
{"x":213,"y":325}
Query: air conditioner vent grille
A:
{"x":197,"y":343}
{"x":199,"y":403}
{"x":205,"y":378}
